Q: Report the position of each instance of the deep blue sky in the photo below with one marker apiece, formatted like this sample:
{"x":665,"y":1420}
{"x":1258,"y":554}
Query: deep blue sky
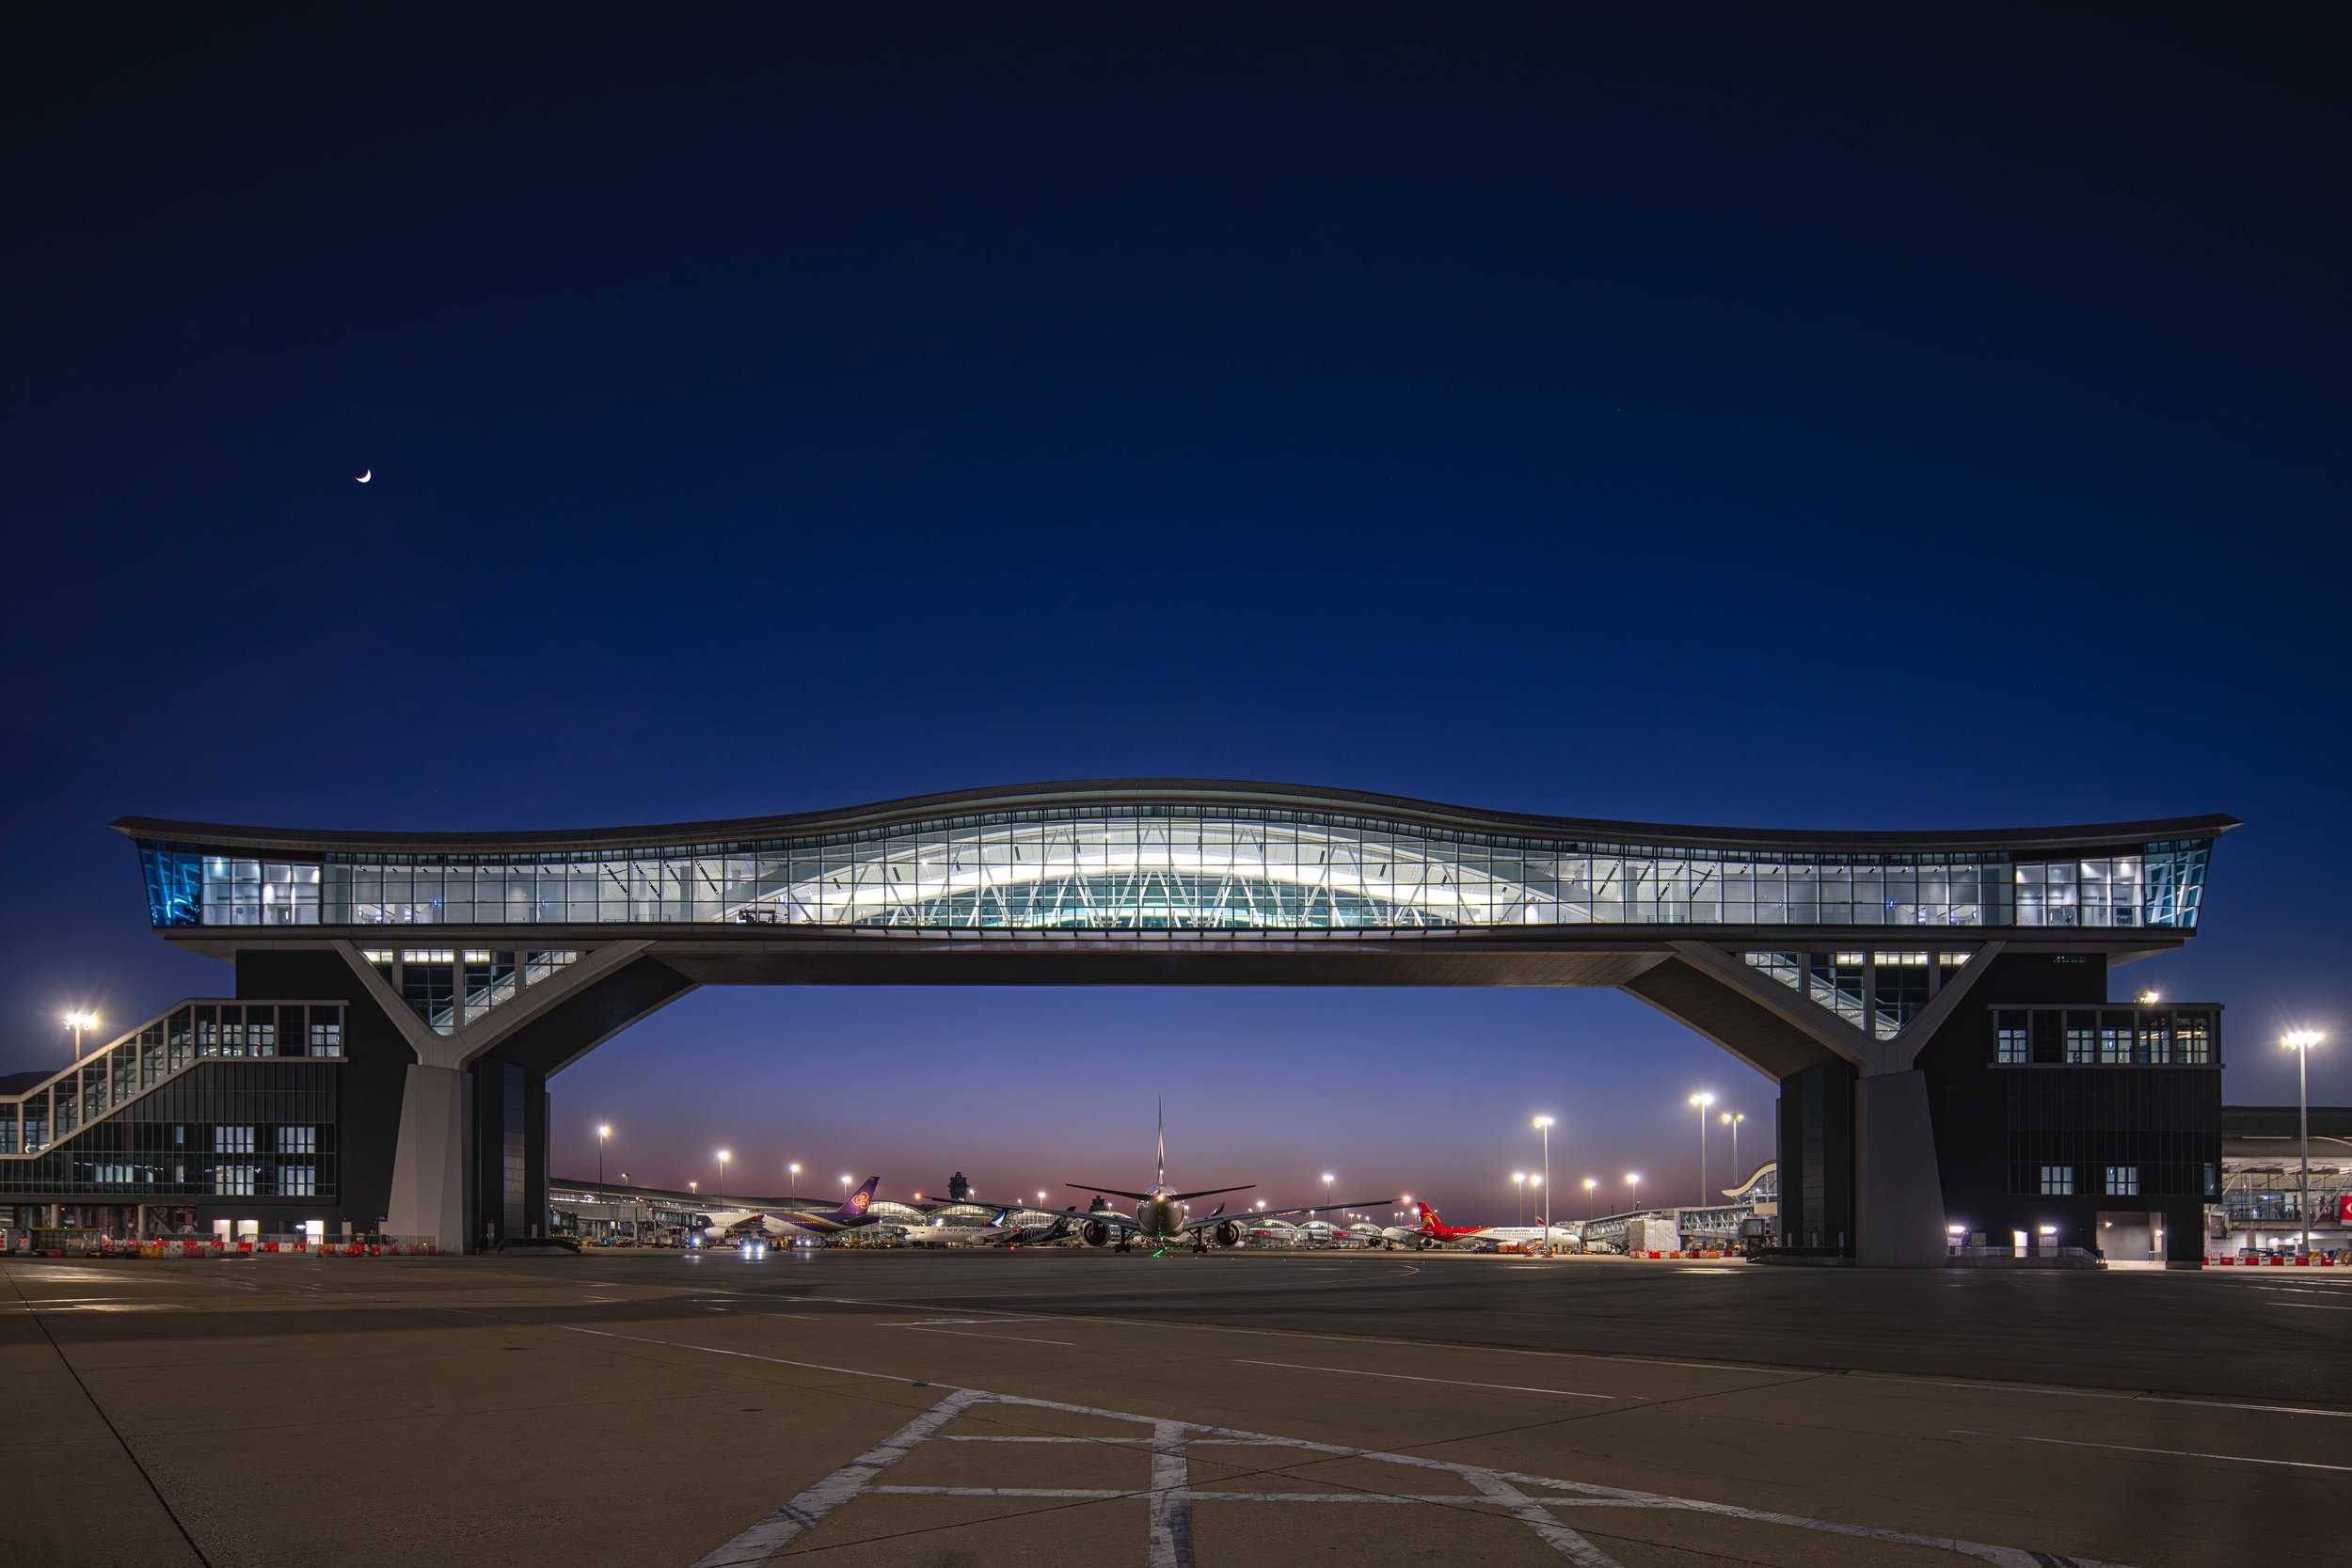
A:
{"x":1715,"y":417}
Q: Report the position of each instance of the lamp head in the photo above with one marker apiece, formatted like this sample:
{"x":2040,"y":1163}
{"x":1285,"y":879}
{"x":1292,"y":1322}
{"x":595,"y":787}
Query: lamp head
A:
{"x":603,"y":1131}
{"x":1542,"y":1122}
{"x":2300,"y":1039}
{"x":1702,"y":1101}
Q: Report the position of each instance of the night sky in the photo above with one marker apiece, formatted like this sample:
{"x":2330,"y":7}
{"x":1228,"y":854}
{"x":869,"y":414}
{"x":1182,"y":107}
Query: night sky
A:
{"x":1716,"y":416}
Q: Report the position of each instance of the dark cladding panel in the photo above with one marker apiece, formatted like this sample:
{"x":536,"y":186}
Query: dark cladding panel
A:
{"x":1817,"y":1158}
{"x":374,"y":1072}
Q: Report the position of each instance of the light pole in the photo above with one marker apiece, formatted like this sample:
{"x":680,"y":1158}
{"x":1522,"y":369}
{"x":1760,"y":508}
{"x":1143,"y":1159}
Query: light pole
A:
{"x":78,"y":1021}
{"x":1542,"y":1125}
{"x":1732,"y":1119}
{"x":794,"y":1169}
{"x":1519,"y":1182}
{"x":1327,"y":1189}
{"x":1589,"y":1185}
{"x":1702,"y":1101}
{"x":2300,"y":1041}
{"x":603,"y":1132}
{"x":1633,"y":1180}
{"x":719,"y":1193}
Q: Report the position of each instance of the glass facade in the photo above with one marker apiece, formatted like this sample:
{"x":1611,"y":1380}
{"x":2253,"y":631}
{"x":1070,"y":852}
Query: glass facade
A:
{"x":220,"y":1129}
{"x":1177,"y":868}
{"x":2142,"y":1035}
{"x":124,"y":1073}
{"x":1875,"y":990}
{"x":431,"y":980}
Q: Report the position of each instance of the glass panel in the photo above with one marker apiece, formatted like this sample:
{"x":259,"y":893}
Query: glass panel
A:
{"x":1180,"y":866}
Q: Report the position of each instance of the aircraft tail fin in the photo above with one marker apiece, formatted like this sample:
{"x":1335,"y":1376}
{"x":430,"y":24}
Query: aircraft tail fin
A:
{"x":854,"y":1210}
{"x":1428,"y":1218}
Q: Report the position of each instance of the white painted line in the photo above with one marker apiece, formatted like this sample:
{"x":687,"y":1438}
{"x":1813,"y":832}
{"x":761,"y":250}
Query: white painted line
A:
{"x":1016,"y":1339}
{"x":1548,"y":1529}
{"x":2124,"y":1394}
{"x":925,"y":1322}
{"x":747,"y":1356}
{"x":1201,"y":1497}
{"x":1169,"y":1536}
{"x":991,"y":1437}
{"x":2268,"y":1409}
{"x":2173,"y":1453}
{"x":772,"y":1534}
{"x":1403,"y":1377}
{"x":2309,"y":1305}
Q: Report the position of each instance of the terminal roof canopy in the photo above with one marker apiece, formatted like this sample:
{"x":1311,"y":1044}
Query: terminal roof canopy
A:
{"x":1178,"y":855}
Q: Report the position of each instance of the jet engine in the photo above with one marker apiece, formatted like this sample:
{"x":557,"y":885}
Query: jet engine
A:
{"x":1228,"y":1233}
{"x":1094,"y":1234}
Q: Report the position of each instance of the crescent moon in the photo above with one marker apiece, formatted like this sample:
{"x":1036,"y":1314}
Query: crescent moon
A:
{"x":369,"y":475}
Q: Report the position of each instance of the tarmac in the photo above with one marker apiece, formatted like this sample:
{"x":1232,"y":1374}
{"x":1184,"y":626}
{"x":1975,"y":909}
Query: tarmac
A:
{"x":958,"y":1409}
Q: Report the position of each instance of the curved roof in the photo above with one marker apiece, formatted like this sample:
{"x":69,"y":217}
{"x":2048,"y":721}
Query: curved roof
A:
{"x":1179,"y":792}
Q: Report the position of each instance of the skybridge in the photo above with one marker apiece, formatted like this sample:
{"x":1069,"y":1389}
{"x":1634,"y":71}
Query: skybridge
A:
{"x":1868,"y":972}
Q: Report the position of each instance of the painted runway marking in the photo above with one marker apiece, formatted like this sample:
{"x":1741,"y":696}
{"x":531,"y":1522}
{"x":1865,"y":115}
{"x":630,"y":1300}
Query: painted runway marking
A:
{"x":1010,"y":1338}
{"x":2309,"y":1305}
{"x":2171,"y":1453}
{"x":1405,"y":1377}
{"x":2266,"y":1409}
{"x":1169,"y":1494}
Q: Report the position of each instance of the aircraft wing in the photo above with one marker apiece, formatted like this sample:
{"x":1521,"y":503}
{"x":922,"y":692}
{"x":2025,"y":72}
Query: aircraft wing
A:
{"x":1253,"y":1214}
{"x":1116,"y":1219}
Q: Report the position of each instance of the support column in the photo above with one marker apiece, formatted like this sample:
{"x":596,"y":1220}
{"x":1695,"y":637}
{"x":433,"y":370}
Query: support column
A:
{"x":1899,"y":1190}
{"x":1816,"y":1154}
{"x":429,"y":1162}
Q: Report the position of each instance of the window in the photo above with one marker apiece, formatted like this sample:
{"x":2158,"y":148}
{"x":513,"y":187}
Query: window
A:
{"x":2122,"y":1181}
{"x":233,"y":1140}
{"x":428,"y":983}
{"x":2057,"y":1181}
{"x":327,"y":1038}
{"x":297,"y":1181}
{"x":297,"y":1140}
{"x":2013,"y":1043}
{"x":2115,"y":1044}
{"x":2079,"y":1045}
{"x":234,"y":1181}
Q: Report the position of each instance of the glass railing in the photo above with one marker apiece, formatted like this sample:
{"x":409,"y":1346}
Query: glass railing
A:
{"x":144,"y":1058}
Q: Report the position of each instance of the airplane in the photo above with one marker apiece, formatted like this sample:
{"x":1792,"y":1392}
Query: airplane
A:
{"x":1433,"y":1231}
{"x":940,"y":1233}
{"x":728,"y":1226}
{"x":1159,"y":1220}
{"x":1010,"y":1235}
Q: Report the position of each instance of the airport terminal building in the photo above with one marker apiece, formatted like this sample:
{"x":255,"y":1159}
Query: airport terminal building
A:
{"x":1936,"y":1006}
